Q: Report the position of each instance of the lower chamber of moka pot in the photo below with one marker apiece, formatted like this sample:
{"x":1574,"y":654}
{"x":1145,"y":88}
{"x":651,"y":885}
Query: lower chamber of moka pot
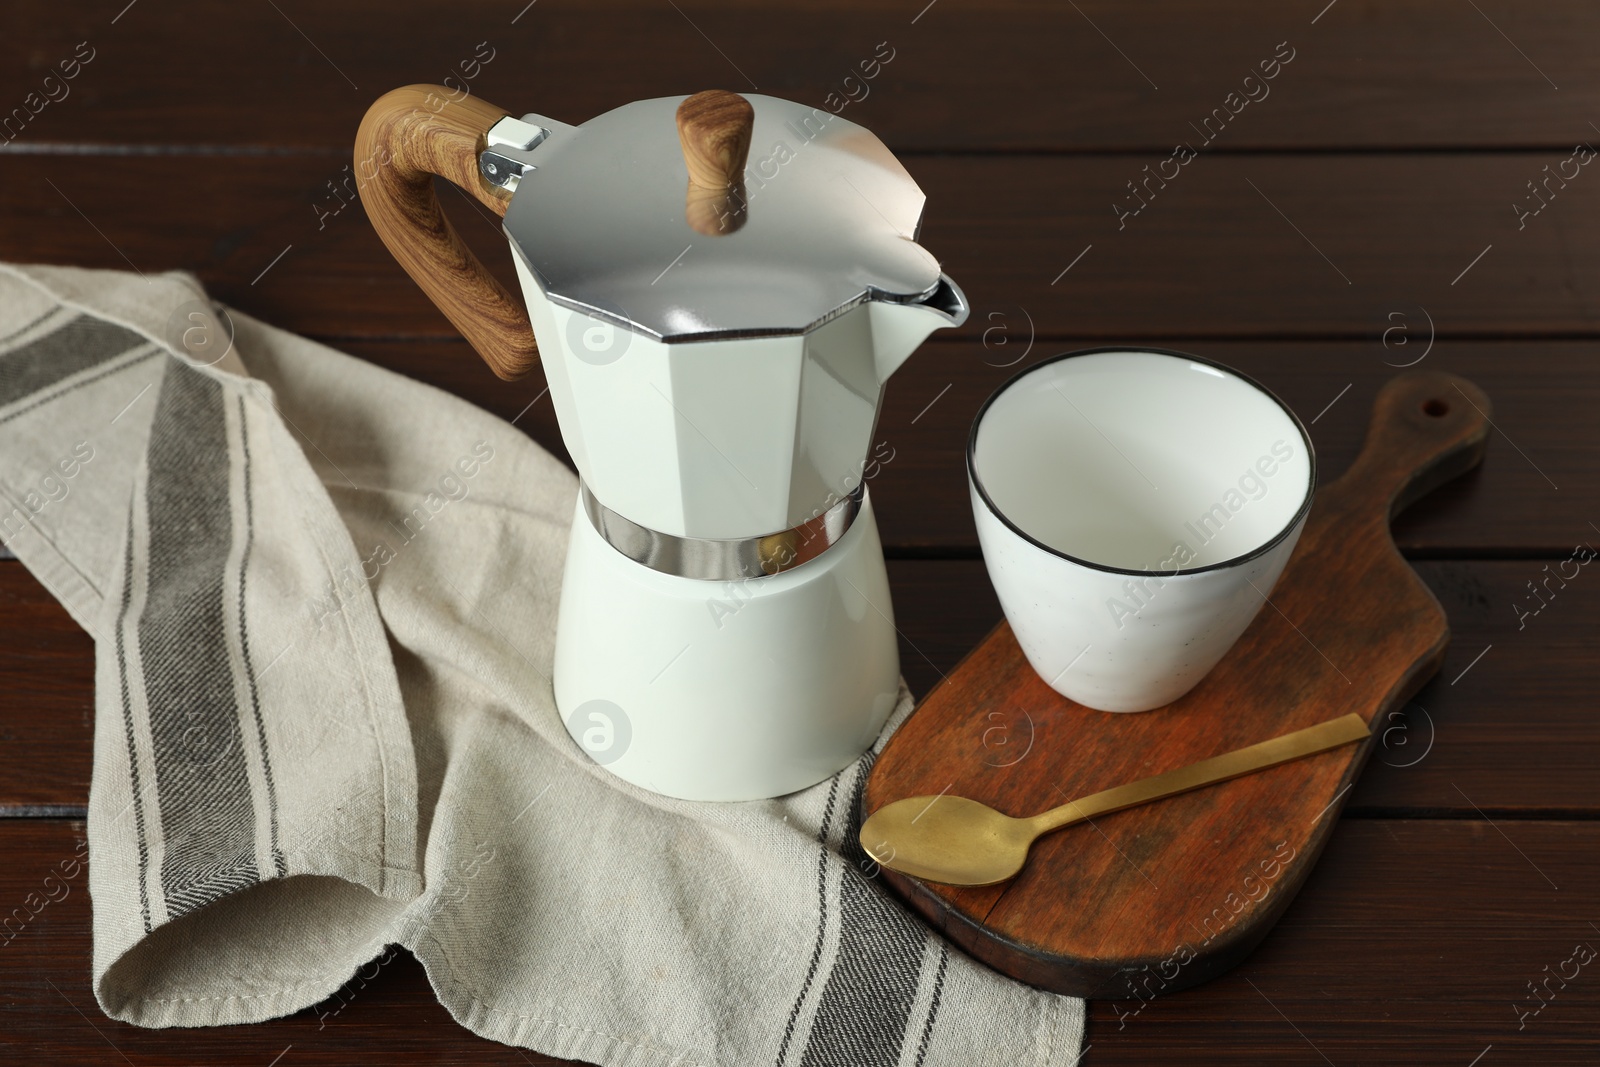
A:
{"x":726,"y":690}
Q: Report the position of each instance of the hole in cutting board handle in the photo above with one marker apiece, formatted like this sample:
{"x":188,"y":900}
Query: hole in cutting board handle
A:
{"x":1436,"y":408}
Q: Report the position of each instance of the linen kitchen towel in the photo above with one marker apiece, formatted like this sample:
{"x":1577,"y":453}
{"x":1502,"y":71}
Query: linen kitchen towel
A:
{"x":323,"y":599}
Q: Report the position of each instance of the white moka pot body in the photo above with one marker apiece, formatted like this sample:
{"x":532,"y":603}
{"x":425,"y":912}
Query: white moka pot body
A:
{"x":723,"y":690}
{"x":731,"y":438}
{"x":734,"y":690}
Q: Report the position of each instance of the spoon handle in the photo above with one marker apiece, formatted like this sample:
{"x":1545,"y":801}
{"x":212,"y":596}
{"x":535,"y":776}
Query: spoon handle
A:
{"x":1235,"y":764}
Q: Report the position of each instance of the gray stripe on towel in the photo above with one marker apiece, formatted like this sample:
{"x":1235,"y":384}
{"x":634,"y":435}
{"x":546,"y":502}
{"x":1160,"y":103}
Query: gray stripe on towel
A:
{"x":866,"y":1004}
{"x":82,"y":343}
{"x":202,"y":788}
{"x":933,"y":1004}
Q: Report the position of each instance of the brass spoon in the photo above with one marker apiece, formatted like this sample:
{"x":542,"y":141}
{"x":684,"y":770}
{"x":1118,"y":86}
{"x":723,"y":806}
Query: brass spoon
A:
{"x":958,"y":841}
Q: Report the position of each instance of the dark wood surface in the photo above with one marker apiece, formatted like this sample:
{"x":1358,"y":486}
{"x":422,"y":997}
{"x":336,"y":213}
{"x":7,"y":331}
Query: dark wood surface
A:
{"x":1170,"y":895}
{"x":1507,"y":507}
{"x":1211,"y":256}
{"x":966,"y":75}
{"x":1394,"y":144}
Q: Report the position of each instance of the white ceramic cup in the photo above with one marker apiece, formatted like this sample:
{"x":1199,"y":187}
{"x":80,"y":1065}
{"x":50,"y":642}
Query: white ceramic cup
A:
{"x":1135,"y":508}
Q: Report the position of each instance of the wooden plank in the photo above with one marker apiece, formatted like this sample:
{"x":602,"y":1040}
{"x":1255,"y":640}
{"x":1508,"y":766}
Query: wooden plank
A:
{"x":1512,"y":504}
{"x":1514,"y":735}
{"x":1236,"y":246}
{"x":385,"y":1014}
{"x":1428,"y":73}
{"x":46,"y":699}
{"x":1412,"y":942}
{"x":942,"y":609}
{"x":1465,"y":729}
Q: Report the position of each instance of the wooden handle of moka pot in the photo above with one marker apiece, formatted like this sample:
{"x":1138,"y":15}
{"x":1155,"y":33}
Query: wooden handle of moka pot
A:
{"x":714,"y":129}
{"x":408,"y":136}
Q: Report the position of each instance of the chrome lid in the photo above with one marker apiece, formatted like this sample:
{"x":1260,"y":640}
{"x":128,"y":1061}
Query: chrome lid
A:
{"x":830,"y":221}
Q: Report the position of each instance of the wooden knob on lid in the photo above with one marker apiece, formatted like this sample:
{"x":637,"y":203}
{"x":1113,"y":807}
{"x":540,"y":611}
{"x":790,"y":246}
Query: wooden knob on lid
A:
{"x":714,"y":130}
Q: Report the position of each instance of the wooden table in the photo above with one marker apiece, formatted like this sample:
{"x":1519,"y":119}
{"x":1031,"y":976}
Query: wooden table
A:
{"x":1368,"y":206}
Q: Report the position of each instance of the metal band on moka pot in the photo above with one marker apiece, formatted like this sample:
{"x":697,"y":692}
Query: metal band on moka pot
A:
{"x":724,"y":559}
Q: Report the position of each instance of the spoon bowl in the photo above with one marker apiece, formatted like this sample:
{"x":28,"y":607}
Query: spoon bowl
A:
{"x":948,"y":839}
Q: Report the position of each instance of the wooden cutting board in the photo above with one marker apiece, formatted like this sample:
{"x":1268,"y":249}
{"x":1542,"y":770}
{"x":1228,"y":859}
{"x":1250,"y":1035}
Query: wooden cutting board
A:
{"x":1163,"y":897}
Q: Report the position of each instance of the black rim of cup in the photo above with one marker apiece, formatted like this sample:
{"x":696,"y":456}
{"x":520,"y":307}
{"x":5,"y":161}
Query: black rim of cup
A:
{"x":1261,"y":549}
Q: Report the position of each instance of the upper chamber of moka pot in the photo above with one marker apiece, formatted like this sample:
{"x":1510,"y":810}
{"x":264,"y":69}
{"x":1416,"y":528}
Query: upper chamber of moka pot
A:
{"x":721,"y":379}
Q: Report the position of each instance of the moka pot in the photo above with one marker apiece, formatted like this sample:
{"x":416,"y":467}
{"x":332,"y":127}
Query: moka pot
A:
{"x":718,"y":288}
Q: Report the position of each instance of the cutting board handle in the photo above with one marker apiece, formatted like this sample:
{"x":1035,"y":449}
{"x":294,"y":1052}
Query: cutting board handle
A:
{"x":407,"y":136}
{"x":1427,"y":427}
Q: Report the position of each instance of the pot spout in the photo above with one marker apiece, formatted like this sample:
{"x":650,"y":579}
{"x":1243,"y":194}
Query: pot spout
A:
{"x":898,"y":328}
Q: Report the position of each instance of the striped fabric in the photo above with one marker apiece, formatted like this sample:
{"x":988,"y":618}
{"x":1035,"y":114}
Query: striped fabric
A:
{"x":183,"y":632}
{"x":323,"y":730}
{"x":867,"y":1008}
{"x":190,"y":717}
